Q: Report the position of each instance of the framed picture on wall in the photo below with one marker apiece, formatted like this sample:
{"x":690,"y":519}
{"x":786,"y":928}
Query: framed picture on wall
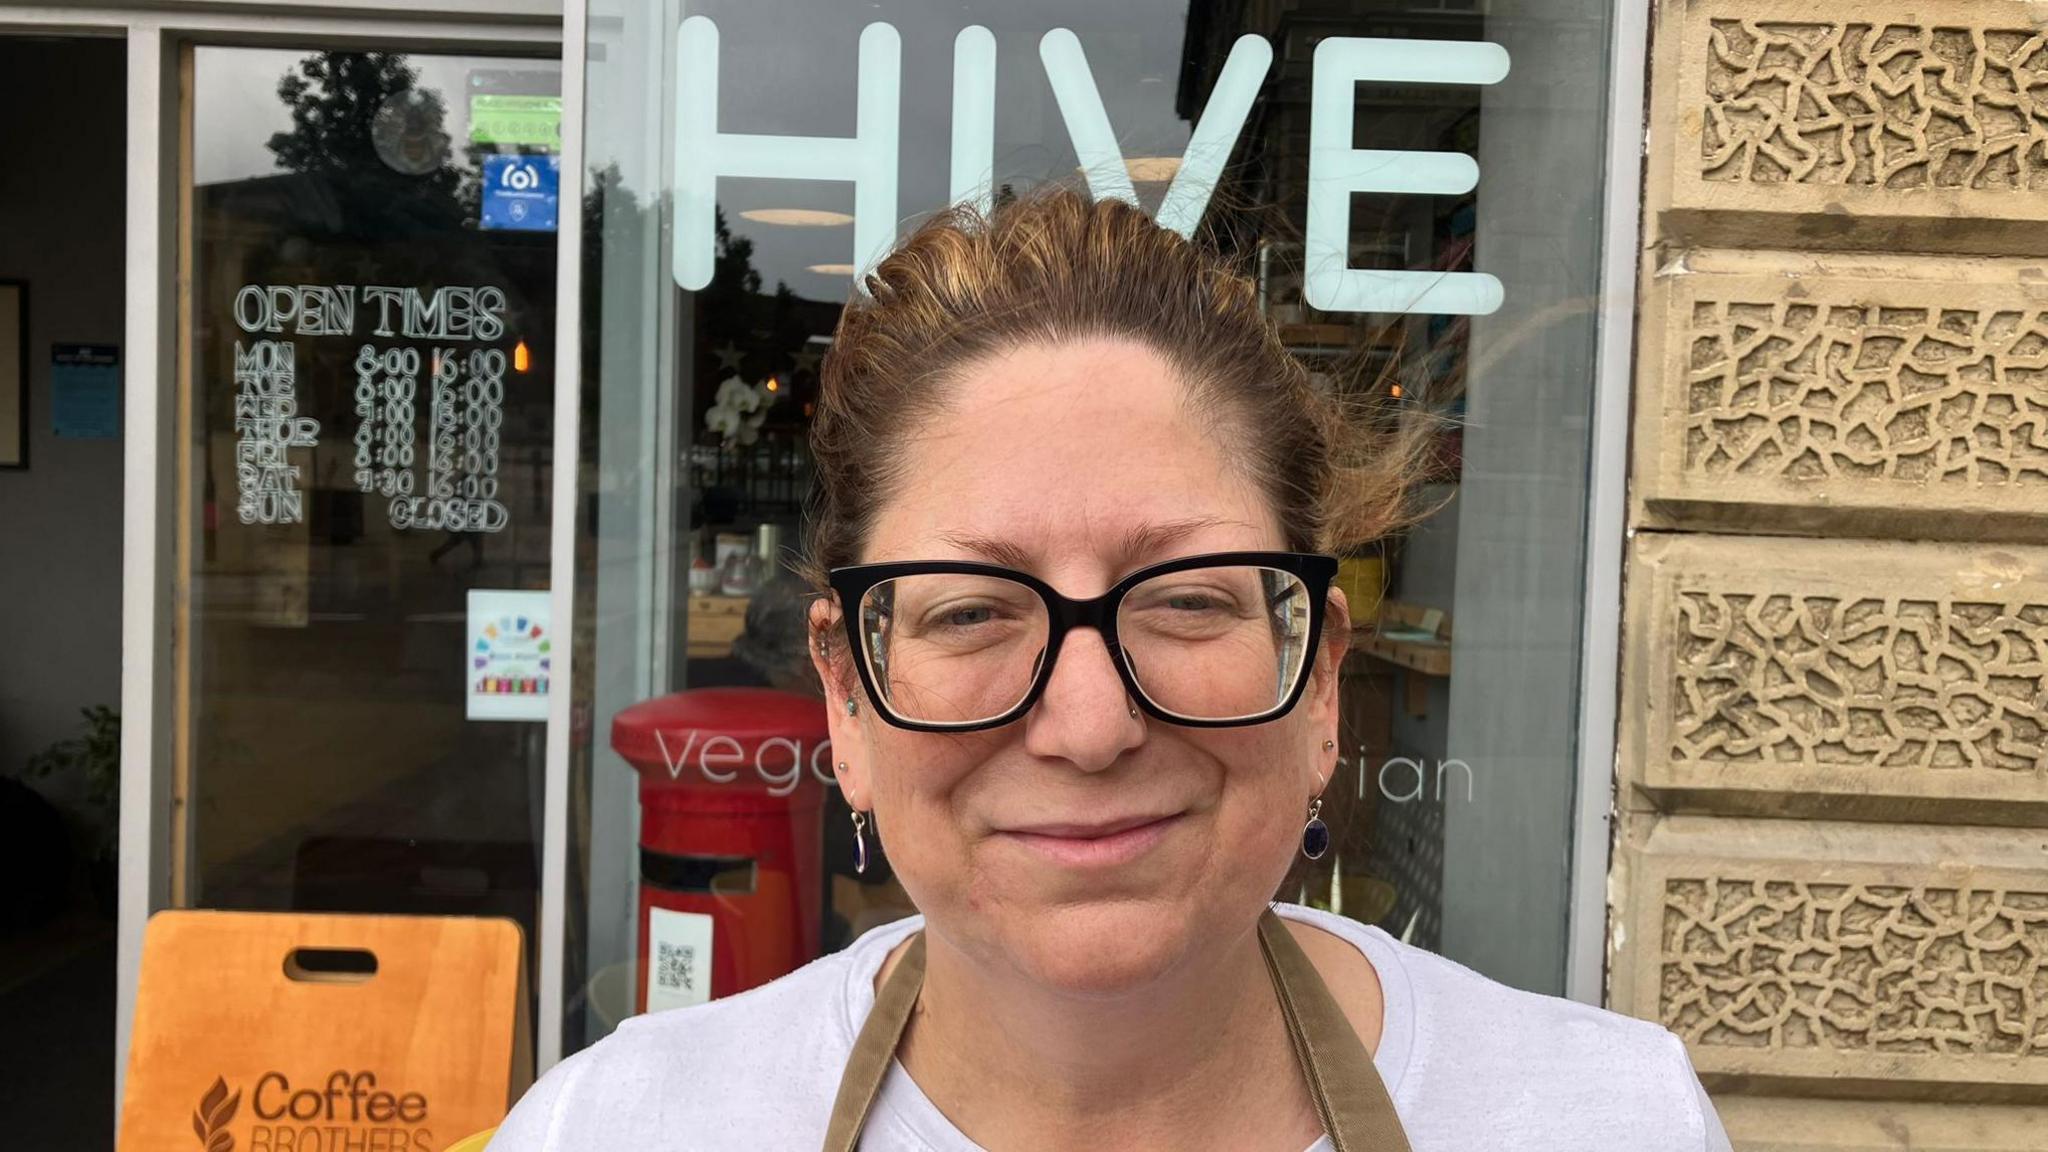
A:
{"x":13,"y":374}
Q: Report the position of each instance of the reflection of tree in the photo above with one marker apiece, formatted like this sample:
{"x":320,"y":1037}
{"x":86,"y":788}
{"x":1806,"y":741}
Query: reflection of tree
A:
{"x":727,"y":307}
{"x":335,"y":99}
{"x":612,"y":222}
{"x":769,"y":328}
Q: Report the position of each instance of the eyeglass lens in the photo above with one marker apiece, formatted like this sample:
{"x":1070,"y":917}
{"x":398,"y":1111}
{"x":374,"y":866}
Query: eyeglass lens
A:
{"x":1216,"y":643}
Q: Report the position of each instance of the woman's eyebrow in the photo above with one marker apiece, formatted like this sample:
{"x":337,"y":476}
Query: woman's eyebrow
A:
{"x":1151,"y":539}
{"x":991,"y":549}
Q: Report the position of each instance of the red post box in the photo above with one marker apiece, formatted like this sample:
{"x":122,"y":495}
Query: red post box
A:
{"x":730,"y":838}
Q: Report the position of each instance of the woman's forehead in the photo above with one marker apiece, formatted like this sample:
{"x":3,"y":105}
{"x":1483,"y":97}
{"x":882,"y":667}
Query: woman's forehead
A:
{"x":1056,"y":452}
{"x":1115,"y":405}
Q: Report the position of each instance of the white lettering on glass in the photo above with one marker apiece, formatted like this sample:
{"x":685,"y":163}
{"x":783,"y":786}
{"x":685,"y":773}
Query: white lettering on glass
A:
{"x":869,"y":157}
{"x":306,"y":309}
{"x":1080,"y":101}
{"x":384,"y":424}
{"x":703,"y":153}
{"x":1215,"y":136}
{"x":1209,"y":148}
{"x":455,"y":312}
{"x":974,"y":117}
{"x":466,"y":411}
{"x":267,"y":422}
{"x":1336,"y":170}
{"x":452,"y":313}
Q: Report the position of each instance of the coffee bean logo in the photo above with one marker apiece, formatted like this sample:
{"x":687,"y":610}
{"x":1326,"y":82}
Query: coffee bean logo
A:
{"x":216,"y":1108}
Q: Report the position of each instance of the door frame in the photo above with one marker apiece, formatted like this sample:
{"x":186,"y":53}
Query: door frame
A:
{"x":160,"y":39}
{"x":1593,"y":801}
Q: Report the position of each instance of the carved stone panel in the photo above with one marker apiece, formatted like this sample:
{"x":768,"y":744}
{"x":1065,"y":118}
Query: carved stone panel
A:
{"x":1872,"y":395}
{"x":1763,"y":671}
{"x":1844,"y":952}
{"x":1758,"y":962}
{"x":1863,"y":101}
{"x":1880,"y":115}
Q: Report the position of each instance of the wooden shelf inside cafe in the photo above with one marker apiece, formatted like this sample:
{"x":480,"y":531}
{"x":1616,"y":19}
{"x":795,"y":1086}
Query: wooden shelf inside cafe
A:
{"x":1429,"y":657}
{"x":1369,"y":645}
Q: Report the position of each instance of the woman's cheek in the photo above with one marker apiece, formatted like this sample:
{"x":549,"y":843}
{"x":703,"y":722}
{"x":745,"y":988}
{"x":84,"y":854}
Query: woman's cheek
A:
{"x":921,"y":833}
{"x":1274,"y":796}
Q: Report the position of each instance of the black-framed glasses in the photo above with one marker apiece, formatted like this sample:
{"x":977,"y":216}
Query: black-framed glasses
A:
{"x":1212,"y":641}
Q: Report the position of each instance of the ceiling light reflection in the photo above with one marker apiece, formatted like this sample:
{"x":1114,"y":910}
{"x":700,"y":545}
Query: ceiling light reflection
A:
{"x":797,"y":217}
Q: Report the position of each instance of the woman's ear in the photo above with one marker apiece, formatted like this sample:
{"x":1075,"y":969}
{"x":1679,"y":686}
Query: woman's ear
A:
{"x":1330,"y":650}
{"x":828,"y":655}
{"x":835,"y":671}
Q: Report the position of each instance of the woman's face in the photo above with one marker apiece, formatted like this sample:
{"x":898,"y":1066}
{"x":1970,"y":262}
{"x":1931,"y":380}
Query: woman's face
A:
{"x":1081,"y":462}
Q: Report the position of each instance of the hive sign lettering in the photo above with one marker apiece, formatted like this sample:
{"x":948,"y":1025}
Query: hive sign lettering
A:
{"x":868,"y":158}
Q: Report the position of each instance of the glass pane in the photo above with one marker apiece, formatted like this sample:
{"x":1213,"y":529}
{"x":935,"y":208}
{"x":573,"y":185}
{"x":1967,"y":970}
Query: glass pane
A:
{"x":1450,"y":824}
{"x":371,"y":352}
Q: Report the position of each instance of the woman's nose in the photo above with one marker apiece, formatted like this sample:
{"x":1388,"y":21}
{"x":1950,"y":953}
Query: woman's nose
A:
{"x":1083,"y":717}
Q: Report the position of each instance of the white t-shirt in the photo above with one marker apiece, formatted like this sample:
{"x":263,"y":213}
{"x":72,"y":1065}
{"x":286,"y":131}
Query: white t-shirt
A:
{"x":1473,"y":1066}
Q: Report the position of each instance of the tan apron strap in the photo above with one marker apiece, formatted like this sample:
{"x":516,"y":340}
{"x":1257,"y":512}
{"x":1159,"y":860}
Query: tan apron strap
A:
{"x":875,"y":1048}
{"x":1349,"y":1095}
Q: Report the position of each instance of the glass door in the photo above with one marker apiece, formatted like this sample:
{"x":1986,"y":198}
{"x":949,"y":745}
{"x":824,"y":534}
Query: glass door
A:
{"x":1442,"y":268}
{"x":367,"y":328}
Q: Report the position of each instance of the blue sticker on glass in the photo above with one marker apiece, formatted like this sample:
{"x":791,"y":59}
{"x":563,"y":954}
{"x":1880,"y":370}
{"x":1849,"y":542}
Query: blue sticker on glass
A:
{"x":521,"y":192}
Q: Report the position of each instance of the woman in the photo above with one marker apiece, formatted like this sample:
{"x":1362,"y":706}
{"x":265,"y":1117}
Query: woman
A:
{"x":1081,"y":654}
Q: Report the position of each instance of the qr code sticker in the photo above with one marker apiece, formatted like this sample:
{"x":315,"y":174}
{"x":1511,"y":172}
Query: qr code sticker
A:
{"x":676,"y":967}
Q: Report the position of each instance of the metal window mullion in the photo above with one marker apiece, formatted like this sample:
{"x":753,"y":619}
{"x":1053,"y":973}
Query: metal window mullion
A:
{"x":147,"y":517}
{"x":1607,"y":511}
{"x":554,"y":875}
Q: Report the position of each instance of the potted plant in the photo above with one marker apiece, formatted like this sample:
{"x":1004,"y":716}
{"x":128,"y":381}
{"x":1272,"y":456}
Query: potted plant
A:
{"x":739,"y":409}
{"x":94,"y":757}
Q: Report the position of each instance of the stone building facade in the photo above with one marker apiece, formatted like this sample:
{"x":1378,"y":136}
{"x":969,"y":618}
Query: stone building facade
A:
{"x":1831,"y":869}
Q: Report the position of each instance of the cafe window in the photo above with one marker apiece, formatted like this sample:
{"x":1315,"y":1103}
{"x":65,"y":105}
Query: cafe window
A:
{"x":367,"y":352}
{"x":1416,"y":189}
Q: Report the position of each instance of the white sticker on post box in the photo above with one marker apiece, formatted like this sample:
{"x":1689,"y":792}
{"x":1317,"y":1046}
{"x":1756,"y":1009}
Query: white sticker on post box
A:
{"x":678,"y":959}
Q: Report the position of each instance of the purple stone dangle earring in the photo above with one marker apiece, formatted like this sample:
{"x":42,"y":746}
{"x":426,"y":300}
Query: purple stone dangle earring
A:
{"x":1315,"y":835}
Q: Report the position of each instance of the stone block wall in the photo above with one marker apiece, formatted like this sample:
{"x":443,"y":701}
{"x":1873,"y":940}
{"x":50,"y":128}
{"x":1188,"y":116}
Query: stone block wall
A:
{"x":1831,"y":869}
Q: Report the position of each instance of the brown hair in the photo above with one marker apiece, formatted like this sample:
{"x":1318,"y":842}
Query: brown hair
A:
{"x":1053,"y":267}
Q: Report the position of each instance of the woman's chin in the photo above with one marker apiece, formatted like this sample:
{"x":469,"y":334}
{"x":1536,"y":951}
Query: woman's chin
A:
{"x":1100,"y":948}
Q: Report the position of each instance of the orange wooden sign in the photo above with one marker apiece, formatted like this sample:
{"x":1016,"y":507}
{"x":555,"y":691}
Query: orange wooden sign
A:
{"x":288,"y":1032}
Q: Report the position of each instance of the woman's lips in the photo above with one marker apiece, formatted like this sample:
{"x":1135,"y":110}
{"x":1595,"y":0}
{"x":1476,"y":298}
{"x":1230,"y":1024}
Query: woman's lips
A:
{"x":1092,"y":846}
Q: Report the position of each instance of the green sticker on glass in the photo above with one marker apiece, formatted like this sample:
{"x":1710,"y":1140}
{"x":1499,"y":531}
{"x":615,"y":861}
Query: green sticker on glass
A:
{"x":530,"y":121}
